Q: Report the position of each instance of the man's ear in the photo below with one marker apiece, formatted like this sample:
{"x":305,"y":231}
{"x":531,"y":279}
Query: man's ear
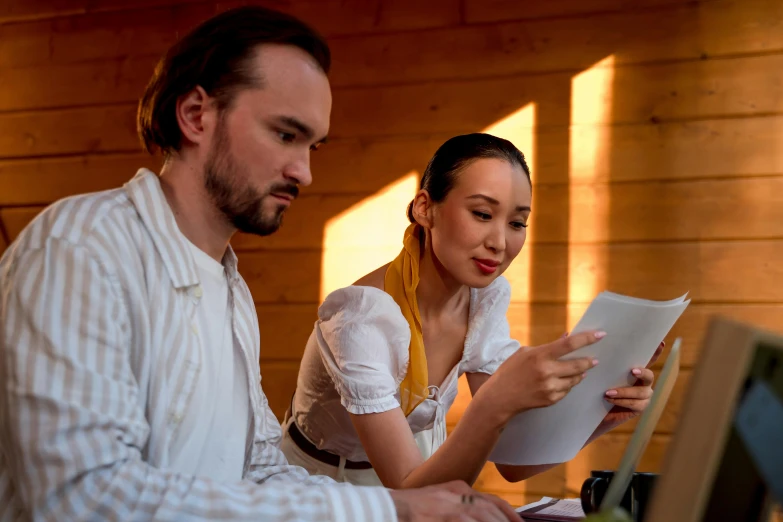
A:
{"x":195,"y":115}
{"x":422,"y":208}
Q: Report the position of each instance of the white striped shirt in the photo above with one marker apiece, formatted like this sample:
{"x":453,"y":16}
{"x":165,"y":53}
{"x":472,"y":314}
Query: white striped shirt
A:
{"x":97,"y":299}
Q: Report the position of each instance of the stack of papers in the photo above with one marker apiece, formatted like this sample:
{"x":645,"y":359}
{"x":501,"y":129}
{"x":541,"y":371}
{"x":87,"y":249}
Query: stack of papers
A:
{"x":635,"y":328}
{"x":553,"y":509}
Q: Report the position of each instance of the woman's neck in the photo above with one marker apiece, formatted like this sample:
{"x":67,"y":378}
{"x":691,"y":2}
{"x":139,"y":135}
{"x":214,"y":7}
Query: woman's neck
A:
{"x":438,"y":293}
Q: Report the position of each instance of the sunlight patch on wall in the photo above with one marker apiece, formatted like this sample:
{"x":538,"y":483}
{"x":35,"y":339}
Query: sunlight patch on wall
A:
{"x":590,"y":142}
{"x":519,"y":128}
{"x":590,"y":135}
{"x":367,"y":235}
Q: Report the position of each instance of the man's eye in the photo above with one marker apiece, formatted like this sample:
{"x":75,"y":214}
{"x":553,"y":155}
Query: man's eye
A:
{"x":286,"y":137}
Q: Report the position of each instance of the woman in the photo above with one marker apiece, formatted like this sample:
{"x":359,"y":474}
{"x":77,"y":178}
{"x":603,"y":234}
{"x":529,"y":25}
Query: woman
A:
{"x":380,"y":369}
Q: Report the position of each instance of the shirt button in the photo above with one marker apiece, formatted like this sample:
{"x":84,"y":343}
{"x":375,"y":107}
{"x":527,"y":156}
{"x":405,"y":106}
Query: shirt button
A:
{"x":194,"y":329}
{"x":198,"y":292}
{"x":176,"y":418}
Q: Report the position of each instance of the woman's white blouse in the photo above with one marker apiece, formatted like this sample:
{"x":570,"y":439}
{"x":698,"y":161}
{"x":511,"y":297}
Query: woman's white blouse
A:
{"x":357,"y":356}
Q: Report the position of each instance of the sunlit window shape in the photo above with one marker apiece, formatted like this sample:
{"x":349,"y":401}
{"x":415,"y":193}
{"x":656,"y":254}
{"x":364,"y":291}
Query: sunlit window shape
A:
{"x":367,"y":235}
{"x":519,"y":128}
{"x":589,"y":205}
{"x":590,"y":136}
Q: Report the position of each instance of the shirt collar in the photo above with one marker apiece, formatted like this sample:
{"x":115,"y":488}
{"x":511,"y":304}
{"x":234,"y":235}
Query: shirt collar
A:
{"x":147,"y":196}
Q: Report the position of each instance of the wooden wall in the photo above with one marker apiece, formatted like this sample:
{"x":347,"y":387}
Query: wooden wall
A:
{"x":685,"y":196}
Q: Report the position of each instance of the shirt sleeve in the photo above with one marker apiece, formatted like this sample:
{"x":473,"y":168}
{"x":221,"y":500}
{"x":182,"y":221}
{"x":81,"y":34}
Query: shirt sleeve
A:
{"x":491,"y":343}
{"x":364,"y":341}
{"x":73,"y":427}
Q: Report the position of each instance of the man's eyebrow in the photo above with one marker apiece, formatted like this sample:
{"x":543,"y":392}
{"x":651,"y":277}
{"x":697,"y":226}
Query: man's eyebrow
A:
{"x":302,"y":127}
{"x":298,"y":125}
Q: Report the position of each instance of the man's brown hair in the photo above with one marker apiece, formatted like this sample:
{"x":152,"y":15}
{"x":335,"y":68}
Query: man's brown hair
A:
{"x":216,"y":55}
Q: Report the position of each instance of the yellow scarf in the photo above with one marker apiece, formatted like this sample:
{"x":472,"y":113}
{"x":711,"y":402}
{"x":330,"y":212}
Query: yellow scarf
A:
{"x":402,"y":278}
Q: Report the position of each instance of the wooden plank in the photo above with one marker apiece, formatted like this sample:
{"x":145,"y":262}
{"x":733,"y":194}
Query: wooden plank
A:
{"x":697,"y":149}
{"x":711,"y":148}
{"x":140,"y":28}
{"x":70,"y":131}
{"x":484,"y":11}
{"x":686,"y":32}
{"x":691,"y":327}
{"x":87,"y":36}
{"x":285,"y":330}
{"x":278,"y":380}
{"x":670,"y":269}
{"x":638,"y":94}
{"x":660,"y":92}
{"x":42,"y":181}
{"x":748,"y":208}
{"x":20,"y":10}
{"x":657,"y":211}
{"x":91,"y":83}
{"x":658,"y":271}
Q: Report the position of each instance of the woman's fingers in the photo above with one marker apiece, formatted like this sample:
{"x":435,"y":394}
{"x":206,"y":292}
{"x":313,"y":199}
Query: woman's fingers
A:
{"x":645,"y":376}
{"x":573,"y":367}
{"x":658,"y":352}
{"x":630,"y":404}
{"x":630,"y":392}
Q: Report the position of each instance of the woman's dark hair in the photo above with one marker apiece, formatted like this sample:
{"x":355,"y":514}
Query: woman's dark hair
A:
{"x":216,"y":55}
{"x":459,"y":152}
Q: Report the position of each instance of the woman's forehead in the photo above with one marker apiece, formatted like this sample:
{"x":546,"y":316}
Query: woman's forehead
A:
{"x":496,"y":178}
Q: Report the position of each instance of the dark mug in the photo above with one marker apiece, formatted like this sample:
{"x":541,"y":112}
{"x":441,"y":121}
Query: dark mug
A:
{"x":635,"y":499}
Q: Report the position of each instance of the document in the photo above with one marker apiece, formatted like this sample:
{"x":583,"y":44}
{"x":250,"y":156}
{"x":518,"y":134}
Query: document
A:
{"x":553,"y":509}
{"x":635,"y":328}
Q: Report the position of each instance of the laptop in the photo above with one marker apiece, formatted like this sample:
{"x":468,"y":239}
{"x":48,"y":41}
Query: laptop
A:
{"x":550,"y":508}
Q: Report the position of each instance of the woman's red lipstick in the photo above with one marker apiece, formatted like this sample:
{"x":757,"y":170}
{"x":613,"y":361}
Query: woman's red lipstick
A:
{"x":487,"y":266}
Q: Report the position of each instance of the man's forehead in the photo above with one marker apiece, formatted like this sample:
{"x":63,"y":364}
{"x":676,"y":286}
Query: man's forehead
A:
{"x":296,"y":83}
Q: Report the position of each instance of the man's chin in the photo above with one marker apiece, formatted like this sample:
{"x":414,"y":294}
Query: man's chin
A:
{"x":263,"y":227}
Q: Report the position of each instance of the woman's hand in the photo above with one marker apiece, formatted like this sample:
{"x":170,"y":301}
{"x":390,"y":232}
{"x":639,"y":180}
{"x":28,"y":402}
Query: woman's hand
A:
{"x":535,"y":377}
{"x":630,"y":401}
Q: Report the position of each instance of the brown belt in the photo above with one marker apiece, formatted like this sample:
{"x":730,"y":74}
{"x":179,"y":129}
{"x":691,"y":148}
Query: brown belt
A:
{"x":319,"y":454}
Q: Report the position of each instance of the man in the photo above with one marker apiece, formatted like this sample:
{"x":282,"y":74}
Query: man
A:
{"x":129,"y":386}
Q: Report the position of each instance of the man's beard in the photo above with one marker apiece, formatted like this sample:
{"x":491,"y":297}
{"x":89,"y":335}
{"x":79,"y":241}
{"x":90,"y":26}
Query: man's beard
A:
{"x":241,"y":205}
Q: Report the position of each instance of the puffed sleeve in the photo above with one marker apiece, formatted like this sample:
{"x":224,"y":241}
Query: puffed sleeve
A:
{"x":364,"y":341}
{"x":490,"y":342}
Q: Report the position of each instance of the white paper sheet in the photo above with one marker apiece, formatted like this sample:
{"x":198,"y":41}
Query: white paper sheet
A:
{"x":635,"y":328}
{"x":571,"y":507}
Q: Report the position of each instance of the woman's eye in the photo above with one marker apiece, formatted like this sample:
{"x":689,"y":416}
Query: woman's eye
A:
{"x":518,"y":225}
{"x":482,"y":215}
{"x":315,"y":147}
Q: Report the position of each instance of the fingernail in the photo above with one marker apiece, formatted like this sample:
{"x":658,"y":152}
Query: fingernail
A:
{"x":611,"y":393}
{"x":564,"y":335}
{"x":600,"y":335}
{"x":636,"y":371}
{"x":584,"y":375}
{"x":595,"y":362}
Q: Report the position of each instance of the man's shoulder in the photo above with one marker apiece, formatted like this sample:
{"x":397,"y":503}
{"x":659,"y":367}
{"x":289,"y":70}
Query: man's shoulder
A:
{"x":78,"y":220}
